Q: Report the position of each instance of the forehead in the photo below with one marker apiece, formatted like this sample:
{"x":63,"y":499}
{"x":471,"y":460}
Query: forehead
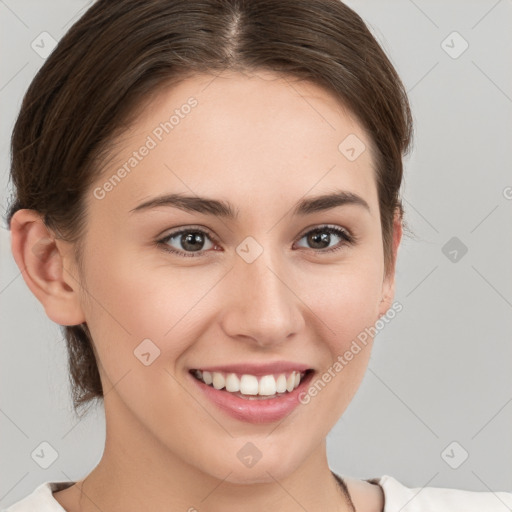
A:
{"x":243,"y":136}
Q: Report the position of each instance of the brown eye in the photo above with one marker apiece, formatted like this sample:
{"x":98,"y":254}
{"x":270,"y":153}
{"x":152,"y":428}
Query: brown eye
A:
{"x":320,"y":238}
{"x":188,"y":242}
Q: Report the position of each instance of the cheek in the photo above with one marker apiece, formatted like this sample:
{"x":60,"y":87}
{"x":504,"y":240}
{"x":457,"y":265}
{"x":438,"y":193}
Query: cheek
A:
{"x":345,"y":298}
{"x":134,"y":301}
{"x":345,"y":303}
{"x":344,"y":308}
{"x":139,"y":325}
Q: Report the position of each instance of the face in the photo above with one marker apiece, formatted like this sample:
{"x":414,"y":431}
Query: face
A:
{"x":261,"y":286}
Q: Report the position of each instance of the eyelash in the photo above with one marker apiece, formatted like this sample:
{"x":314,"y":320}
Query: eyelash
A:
{"x":348,"y":239}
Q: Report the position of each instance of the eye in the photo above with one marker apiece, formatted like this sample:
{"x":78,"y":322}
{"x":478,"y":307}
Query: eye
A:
{"x":192,"y":240}
{"x":321,"y":237}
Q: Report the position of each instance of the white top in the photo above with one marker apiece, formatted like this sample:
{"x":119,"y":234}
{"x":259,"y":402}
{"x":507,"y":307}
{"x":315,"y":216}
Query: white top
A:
{"x":398,"y":498}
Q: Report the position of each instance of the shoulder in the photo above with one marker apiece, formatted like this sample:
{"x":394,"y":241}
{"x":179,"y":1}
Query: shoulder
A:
{"x":41,"y":499}
{"x":398,"y":496}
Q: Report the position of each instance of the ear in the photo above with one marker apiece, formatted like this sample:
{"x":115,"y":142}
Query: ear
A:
{"x":46,"y":267}
{"x":388,"y":285}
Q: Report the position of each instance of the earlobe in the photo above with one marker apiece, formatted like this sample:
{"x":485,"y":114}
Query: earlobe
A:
{"x":44,"y":267}
{"x":388,"y":287}
{"x":388,"y":291}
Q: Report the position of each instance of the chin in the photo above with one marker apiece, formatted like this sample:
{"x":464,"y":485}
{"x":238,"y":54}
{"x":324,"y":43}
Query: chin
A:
{"x":264,"y":471}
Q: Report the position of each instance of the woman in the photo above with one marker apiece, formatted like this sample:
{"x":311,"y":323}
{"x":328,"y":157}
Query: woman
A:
{"x":207,"y":199}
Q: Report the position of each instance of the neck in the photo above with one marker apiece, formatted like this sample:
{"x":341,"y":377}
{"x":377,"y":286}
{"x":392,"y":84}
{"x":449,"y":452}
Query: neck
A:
{"x":137,"y":472}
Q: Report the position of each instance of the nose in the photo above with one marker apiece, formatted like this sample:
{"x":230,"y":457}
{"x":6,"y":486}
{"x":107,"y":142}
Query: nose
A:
{"x":263,"y":306}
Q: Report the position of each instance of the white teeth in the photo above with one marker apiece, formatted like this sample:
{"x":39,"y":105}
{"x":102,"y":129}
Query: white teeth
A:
{"x":232,"y":383}
{"x":281,"y":383}
{"x":248,"y":385}
{"x":218,"y":380}
{"x":290,"y":382}
{"x":267,"y":385}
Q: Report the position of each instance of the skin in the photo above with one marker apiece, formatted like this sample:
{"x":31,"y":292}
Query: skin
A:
{"x":261,"y":142}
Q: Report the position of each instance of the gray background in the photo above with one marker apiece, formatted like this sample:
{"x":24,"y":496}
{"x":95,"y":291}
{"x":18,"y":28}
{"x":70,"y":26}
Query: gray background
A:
{"x":441,"y":370}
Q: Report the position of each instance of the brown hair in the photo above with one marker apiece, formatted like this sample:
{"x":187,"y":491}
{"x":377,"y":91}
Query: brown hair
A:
{"x":119,"y":54}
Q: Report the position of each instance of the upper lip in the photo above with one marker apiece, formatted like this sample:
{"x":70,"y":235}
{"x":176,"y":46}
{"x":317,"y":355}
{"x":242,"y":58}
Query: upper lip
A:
{"x":257,"y":369}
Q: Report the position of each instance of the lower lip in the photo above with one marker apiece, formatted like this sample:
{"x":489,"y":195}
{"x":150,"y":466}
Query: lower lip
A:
{"x":254,"y":411}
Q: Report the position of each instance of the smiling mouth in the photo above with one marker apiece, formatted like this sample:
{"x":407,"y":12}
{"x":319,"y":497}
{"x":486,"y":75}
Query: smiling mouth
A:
{"x":252,"y":387}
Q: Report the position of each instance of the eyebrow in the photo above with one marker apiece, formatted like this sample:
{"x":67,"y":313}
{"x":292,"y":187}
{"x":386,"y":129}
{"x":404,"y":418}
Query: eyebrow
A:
{"x":225,"y":210}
